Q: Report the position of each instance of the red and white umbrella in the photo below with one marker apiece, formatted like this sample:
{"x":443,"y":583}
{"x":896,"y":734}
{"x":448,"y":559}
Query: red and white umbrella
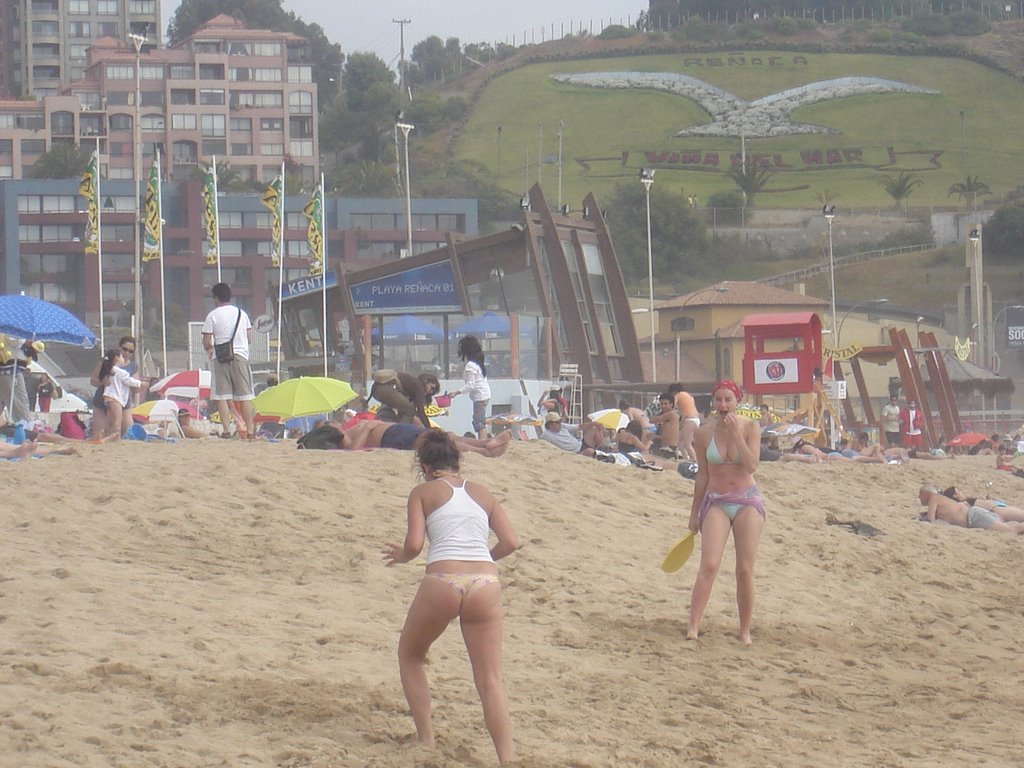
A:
{"x":191,"y":384}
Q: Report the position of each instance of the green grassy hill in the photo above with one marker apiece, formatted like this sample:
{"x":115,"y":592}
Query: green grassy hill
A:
{"x":608,"y":132}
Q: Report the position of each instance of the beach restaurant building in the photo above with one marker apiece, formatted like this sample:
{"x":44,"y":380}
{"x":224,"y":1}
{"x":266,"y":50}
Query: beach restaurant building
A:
{"x":545,"y":293}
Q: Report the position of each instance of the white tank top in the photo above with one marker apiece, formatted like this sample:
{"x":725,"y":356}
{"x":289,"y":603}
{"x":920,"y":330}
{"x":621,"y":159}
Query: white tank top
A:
{"x":458,"y":529}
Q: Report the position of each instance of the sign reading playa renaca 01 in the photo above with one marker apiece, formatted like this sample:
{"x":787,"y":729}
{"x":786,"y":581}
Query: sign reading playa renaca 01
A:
{"x":430,"y":288}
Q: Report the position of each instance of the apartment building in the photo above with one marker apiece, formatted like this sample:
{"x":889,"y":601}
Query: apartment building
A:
{"x":241,"y":95}
{"x":43,"y":43}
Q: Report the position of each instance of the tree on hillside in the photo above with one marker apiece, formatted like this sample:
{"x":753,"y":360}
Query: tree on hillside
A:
{"x":325,"y":56}
{"x":61,"y":161}
{"x":901,"y":187}
{"x":365,"y":178}
{"x":1004,"y":234}
{"x":750,"y":178}
{"x":970,"y":189}
{"x":678,"y":234}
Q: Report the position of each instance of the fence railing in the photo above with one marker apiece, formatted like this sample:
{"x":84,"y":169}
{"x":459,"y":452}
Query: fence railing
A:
{"x":842,"y":261}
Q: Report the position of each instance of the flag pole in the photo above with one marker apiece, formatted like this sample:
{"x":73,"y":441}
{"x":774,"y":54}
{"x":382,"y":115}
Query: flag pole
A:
{"x":216,"y":214}
{"x":160,"y":255}
{"x":99,"y":246}
{"x":323,"y":267}
{"x":280,"y":272}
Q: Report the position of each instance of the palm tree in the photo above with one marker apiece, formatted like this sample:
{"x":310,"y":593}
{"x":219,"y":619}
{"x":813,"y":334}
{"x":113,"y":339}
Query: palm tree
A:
{"x":750,"y":178}
{"x":899,"y":188}
{"x":970,"y":189}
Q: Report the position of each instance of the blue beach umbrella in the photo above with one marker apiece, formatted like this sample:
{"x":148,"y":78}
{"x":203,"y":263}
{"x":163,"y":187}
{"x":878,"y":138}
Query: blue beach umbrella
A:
{"x":407,"y":329}
{"x":27,"y":318}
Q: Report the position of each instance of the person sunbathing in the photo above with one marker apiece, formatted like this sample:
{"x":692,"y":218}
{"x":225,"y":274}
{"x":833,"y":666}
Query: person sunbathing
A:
{"x":1007,"y":512}
{"x":32,"y":448}
{"x":940,"y":507}
{"x":402,"y":437}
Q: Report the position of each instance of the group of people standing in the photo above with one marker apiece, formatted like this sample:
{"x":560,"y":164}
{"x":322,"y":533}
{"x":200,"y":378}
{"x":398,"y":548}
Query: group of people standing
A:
{"x":903,"y":426}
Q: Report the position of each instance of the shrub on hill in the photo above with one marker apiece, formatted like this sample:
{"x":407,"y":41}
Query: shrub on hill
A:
{"x":1004,"y":234}
{"x":937,"y":25}
{"x":615,"y":32}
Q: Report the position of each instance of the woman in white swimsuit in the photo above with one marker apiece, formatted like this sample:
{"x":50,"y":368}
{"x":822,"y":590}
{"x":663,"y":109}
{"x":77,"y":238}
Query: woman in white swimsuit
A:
{"x":726,"y":498}
{"x":461,"y":580}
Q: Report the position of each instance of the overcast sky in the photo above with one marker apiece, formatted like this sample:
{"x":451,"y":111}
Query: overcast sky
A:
{"x":368,"y":26}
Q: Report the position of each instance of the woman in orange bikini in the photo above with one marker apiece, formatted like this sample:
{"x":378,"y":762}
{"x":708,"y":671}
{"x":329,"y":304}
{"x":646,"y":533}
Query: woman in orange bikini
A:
{"x":461,"y":580}
{"x":725,"y":497}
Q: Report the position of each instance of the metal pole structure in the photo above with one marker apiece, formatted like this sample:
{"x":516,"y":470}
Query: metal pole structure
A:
{"x":977,"y":282}
{"x":99,"y":246}
{"x":830,"y":211}
{"x":850,"y":311}
{"x":405,"y":128}
{"x":323,"y":268}
{"x":647,"y":179}
{"x":137,"y":41}
{"x":561,"y":130}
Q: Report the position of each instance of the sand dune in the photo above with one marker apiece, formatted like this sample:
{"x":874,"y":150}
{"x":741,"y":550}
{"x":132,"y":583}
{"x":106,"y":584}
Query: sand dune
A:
{"x":149,"y":619}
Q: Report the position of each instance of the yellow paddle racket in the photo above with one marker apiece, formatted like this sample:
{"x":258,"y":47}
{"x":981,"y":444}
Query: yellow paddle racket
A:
{"x":679,"y":554}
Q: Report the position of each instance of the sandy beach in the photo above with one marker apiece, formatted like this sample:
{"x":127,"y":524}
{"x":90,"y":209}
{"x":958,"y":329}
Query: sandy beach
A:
{"x":148,"y":618}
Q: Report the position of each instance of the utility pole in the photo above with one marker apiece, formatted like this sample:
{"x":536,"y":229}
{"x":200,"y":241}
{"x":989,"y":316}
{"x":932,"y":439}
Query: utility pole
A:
{"x":402,"y":84}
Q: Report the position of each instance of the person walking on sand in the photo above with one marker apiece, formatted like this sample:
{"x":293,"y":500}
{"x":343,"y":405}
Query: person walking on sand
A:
{"x":461,"y":580}
{"x":474,"y":377}
{"x":232,"y":379}
{"x":726,"y":497}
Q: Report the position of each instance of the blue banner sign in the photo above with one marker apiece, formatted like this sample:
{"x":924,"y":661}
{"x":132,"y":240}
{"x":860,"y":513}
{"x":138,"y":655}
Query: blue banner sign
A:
{"x":309,"y":284}
{"x":421,"y":289}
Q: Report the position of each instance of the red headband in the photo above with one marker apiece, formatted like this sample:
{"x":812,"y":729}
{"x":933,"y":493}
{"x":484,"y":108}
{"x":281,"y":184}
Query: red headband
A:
{"x":732,"y":386}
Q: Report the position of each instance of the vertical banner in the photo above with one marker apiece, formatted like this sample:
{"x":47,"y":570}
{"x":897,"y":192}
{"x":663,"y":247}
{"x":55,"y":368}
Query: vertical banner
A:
{"x":90,"y":190}
{"x":152,"y":244}
{"x":210,"y":216}
{"x":273,"y":200}
{"x":314,"y":211}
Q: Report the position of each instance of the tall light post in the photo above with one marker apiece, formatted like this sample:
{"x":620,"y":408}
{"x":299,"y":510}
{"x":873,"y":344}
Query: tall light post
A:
{"x":829,"y":212}
{"x":405,"y":128}
{"x":561,"y":130}
{"x":137,"y":41}
{"x":977,"y":281}
{"x":647,"y":178}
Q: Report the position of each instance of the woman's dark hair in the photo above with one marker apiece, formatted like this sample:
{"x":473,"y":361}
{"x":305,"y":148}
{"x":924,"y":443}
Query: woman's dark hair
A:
{"x":635,"y":428}
{"x":437,"y":450}
{"x":470,"y":350}
{"x":107,"y":366}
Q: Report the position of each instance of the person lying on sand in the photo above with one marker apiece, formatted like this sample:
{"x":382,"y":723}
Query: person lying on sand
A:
{"x":1007,"y":512}
{"x":32,"y":448}
{"x":381,"y":434}
{"x":961,"y":513}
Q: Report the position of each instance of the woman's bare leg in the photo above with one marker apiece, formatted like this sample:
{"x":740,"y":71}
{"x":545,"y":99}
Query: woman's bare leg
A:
{"x":713,"y":536}
{"x":114,"y":415}
{"x":746,"y":533}
{"x":482,"y":630}
{"x":434,"y":606}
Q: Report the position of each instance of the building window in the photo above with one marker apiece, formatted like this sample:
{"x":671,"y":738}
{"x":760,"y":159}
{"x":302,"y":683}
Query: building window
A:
{"x":271,"y":124}
{"x":211,"y":97}
{"x":238,"y":48}
{"x":46,"y":72}
{"x":242,"y":99}
{"x":241,"y":124}
{"x":79,"y":29}
{"x":301,"y":148}
{"x":90,"y":125}
{"x":109,"y":29}
{"x":45,"y":29}
{"x":34,"y":146}
{"x":300,"y":74}
{"x":153,"y":123}
{"x":120,"y":98}
{"x":300,"y":103}
{"x":46,"y":49}
{"x":266,"y":49}
{"x":683,"y":324}
{"x":213,"y":125}
{"x":271,"y":149}
{"x":231,"y":220}
{"x":152,"y":98}
{"x":6,"y":146}
{"x":142,"y":7}
{"x":152,"y":72}
{"x":77,"y":51}
{"x":241,"y":149}
{"x":300,"y":127}
{"x":215,"y":147}
{"x":106,"y":7}
{"x":62,"y":124}
{"x":58,"y":204}
{"x":267,"y":75}
{"x":120,"y":122}
{"x":211,"y":71}
{"x":120,"y":72}
{"x":181,"y":96}
{"x":183,"y":122}
{"x":78,"y":7}
{"x":206,"y":46}
{"x":182,"y":72}
{"x":184,"y":153}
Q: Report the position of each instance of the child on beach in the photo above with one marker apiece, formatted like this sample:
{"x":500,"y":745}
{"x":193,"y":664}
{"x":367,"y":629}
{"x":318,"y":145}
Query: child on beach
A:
{"x":474,"y":375}
{"x":117,"y":393}
{"x":461,"y":580}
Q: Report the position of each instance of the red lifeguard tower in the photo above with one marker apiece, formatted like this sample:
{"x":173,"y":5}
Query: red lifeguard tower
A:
{"x":781,"y":352}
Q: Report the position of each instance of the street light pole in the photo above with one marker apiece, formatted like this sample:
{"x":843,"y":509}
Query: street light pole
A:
{"x":829,"y":211}
{"x":137,"y":41}
{"x":647,"y":179}
{"x":977,"y":290}
{"x":405,"y":128}
{"x":850,"y":311}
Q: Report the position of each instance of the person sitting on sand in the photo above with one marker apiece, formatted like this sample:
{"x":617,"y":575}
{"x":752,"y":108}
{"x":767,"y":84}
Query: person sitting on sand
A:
{"x":584,"y":439}
{"x":726,"y":498}
{"x":1005,"y":458}
{"x":634,"y":414}
{"x":668,"y":423}
{"x":402,"y":437}
{"x":961,"y":513}
{"x":1007,"y":512}
{"x":188,"y":427}
{"x":892,"y":455}
{"x":461,"y":580}
{"x":633,"y":438}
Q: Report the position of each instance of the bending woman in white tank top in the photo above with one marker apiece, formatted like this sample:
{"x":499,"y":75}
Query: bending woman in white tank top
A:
{"x":461,"y":580}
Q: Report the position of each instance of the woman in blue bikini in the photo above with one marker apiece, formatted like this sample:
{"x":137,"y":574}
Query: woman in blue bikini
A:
{"x":726,"y":497}
{"x":461,"y":580}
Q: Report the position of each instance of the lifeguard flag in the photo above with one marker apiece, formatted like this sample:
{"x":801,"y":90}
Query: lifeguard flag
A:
{"x":88,"y":190}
